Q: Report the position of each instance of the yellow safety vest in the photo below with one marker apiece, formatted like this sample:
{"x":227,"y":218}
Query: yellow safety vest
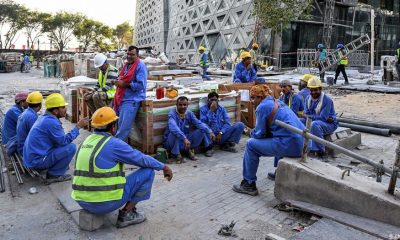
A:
{"x":103,"y":81}
{"x":202,"y":63}
{"x":93,"y":184}
{"x":344,"y":61}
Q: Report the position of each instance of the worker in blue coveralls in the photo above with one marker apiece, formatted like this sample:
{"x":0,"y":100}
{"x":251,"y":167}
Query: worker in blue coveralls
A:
{"x":217,"y":119}
{"x":320,"y":55}
{"x":320,"y":108}
{"x":304,"y":91}
{"x":47,"y":147}
{"x":28,"y":118}
{"x":204,"y":62}
{"x":9,"y":130}
{"x":244,"y":70}
{"x":267,"y":138}
{"x":99,"y":185}
{"x":291,"y":99}
{"x":131,"y":91}
{"x":179,"y":136}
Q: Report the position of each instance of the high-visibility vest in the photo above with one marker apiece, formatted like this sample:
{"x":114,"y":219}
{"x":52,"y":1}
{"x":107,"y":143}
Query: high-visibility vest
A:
{"x":398,"y":54}
{"x":103,"y":80}
{"x":344,"y":61}
{"x":94,"y":184}
{"x":202,"y":63}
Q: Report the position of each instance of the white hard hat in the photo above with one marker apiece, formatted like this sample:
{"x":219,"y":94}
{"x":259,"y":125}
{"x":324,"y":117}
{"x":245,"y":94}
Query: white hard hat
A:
{"x":99,"y":60}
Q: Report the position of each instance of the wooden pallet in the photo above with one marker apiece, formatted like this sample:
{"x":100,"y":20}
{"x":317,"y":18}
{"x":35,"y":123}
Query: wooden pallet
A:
{"x":67,"y":69}
{"x":82,"y":108}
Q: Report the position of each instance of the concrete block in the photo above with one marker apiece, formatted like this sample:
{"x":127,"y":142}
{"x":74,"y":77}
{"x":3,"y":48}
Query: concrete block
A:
{"x":350,"y":142}
{"x":319,"y":183}
{"x":331,"y":138}
{"x":341,"y":135}
{"x":343,"y":129}
{"x":89,"y":221}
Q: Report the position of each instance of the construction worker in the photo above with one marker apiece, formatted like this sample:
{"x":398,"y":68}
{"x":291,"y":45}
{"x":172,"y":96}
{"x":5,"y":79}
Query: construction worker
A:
{"x":244,"y":71}
{"x":27,"y":65}
{"x":253,"y":54}
{"x":47,"y":147}
{"x":341,"y":68}
{"x":204,"y":62}
{"x":398,"y":60}
{"x":217,"y":119}
{"x":30,"y":60}
{"x":320,"y":108}
{"x":28,"y":118}
{"x":320,"y":56}
{"x":9,"y":130}
{"x":105,"y":90}
{"x":21,"y":59}
{"x":304,"y":91}
{"x":267,"y":138}
{"x":131,"y":91}
{"x":291,"y":99}
{"x":179,"y":136}
{"x":99,"y":184}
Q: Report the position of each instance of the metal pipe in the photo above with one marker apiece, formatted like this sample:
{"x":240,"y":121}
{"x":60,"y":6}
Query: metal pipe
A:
{"x":334,"y":146}
{"x":396,"y":166}
{"x":393,"y":128}
{"x":366,"y":129}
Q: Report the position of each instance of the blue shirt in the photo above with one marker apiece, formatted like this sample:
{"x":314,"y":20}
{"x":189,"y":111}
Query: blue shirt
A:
{"x":295,"y":103}
{"x":181,"y":127}
{"x":304,"y":93}
{"x":26,"y":59}
{"x":327,"y":109}
{"x":24,"y":125}
{"x":46,"y":134}
{"x":10,"y":123}
{"x":218,"y":121}
{"x":204,"y":60}
{"x":136,"y":92}
{"x":244,"y":75}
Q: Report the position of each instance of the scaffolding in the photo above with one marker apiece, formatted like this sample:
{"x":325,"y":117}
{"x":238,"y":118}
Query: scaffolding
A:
{"x":328,"y":21}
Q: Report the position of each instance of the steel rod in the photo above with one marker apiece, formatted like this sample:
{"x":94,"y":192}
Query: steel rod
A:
{"x":393,"y":128}
{"x":367,"y":129}
{"x":17,"y":173}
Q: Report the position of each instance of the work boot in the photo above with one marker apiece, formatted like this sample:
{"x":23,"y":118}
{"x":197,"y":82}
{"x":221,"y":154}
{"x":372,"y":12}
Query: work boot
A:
{"x":177,"y":158}
{"x":322,"y":156}
{"x":52,"y":179}
{"x":126,"y":218}
{"x":209,"y":152}
{"x":229,"y":148}
{"x":246,"y":188}
{"x":191,"y":155}
{"x":271,"y":176}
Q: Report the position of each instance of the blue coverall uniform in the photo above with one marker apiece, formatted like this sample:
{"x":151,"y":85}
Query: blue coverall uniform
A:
{"x":283,"y":143}
{"x":204,"y":64}
{"x":138,"y":184}
{"x":242,"y":75}
{"x":178,"y":129}
{"x":319,"y":126}
{"x":48,"y":147}
{"x":296,"y":104}
{"x":24,"y":125}
{"x":134,"y":95}
{"x":10,"y":123}
{"x":304,"y":93}
{"x":219,"y":122}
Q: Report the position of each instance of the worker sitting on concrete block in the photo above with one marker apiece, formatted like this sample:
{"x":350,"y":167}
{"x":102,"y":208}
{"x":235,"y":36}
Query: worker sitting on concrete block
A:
{"x":47,"y":147}
{"x":99,"y":184}
{"x":105,"y":90}
{"x":204,"y":62}
{"x":9,"y":131}
{"x":245,"y":72}
{"x":28,"y":118}
{"x":217,"y":119}
{"x":291,"y":99}
{"x":304,"y":91}
{"x":320,"y":108}
{"x":267,"y":138}
{"x":179,"y":136}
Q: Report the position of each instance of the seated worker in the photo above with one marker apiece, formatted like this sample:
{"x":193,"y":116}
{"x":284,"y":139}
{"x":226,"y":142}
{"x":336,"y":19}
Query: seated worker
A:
{"x":304,"y":91}
{"x":28,"y":118}
{"x":47,"y":147}
{"x":267,"y":138}
{"x":320,"y":108}
{"x":179,"y":136}
{"x":9,"y":130}
{"x":291,"y":99}
{"x":105,"y":90}
{"x":245,"y":72}
{"x":99,"y":184}
{"x":217,"y":119}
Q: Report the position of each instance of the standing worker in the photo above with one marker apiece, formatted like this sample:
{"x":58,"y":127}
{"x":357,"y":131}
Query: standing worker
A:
{"x":253,"y":54}
{"x":21,"y":59}
{"x":398,"y":60}
{"x":204,"y":62}
{"x":320,"y":55}
{"x":47,"y":147}
{"x":341,"y":68}
{"x":291,"y":99}
{"x":30,"y":60}
{"x":9,"y":130}
{"x":27,"y":65}
{"x":131,"y":91}
{"x":99,"y":184}
{"x":104,"y":90}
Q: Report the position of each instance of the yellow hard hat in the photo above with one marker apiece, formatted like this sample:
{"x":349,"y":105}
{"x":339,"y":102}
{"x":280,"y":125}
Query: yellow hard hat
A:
{"x":55,"y":100}
{"x":34,"y":97}
{"x":306,"y":77}
{"x":103,"y":116}
{"x":245,"y":55}
{"x":201,"y":48}
{"x":255,"y":45}
{"x":314,"y":82}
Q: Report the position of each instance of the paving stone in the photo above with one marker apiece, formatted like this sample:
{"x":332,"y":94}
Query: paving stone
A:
{"x":90,"y":222}
{"x":342,"y":134}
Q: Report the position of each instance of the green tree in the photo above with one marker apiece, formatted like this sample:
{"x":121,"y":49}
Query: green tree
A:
{"x":123,"y":35}
{"x":34,"y":25}
{"x":12,"y":19}
{"x":60,"y":28}
{"x":91,"y":33}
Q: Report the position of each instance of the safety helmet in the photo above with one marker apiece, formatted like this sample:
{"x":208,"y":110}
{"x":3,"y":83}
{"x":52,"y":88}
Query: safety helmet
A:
{"x":244,"y":55}
{"x":306,"y":77}
{"x":255,"y":45}
{"x":103,"y":116}
{"x":21,"y":96}
{"x":201,"y":48}
{"x":55,"y":100}
{"x":284,"y":83}
{"x":99,"y":60}
{"x":34,"y":97}
{"x":314,"y":82}
{"x":339,"y":46}
{"x":320,"y":46}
